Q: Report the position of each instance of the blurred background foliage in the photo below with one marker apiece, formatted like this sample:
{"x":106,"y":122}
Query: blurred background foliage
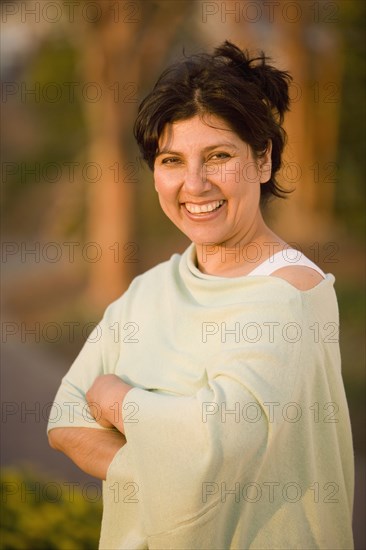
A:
{"x":88,"y":74}
{"x":41,"y":515}
{"x":352,"y":136}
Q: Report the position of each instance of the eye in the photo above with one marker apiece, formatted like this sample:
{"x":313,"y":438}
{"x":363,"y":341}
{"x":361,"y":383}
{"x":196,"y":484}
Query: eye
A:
{"x":219,"y":156}
{"x":170,"y":160}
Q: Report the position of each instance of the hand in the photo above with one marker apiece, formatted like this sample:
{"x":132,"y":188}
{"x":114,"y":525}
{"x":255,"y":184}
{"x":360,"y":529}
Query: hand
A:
{"x":105,"y":398}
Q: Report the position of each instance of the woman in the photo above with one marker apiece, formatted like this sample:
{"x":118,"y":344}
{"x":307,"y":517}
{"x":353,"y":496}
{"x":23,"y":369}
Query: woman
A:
{"x":217,"y":413}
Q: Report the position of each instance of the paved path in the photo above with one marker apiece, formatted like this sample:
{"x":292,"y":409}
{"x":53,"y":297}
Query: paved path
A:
{"x":29,"y":381}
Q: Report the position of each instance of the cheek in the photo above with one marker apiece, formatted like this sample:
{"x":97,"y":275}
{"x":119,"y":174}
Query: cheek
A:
{"x":166,"y":191}
{"x":250,"y":172}
{"x":158,"y":183}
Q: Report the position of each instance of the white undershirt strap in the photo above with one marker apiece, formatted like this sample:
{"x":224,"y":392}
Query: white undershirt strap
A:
{"x":284,"y":258}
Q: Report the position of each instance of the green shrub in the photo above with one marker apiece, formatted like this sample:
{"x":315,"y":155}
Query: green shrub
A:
{"x":41,"y":514}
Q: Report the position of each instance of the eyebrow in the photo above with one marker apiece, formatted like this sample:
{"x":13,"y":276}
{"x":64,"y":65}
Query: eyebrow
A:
{"x":204,"y":150}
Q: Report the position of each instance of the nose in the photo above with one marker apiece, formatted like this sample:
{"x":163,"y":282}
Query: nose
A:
{"x":196,"y":181}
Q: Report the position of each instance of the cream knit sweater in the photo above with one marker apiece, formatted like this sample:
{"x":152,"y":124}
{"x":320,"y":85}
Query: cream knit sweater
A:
{"x":238,"y":431}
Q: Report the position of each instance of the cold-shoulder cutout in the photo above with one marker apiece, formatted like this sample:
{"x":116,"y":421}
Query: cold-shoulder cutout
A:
{"x":301,"y":277}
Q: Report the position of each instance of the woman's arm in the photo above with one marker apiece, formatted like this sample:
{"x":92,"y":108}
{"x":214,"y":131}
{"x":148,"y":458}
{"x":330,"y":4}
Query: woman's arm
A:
{"x":72,"y":428}
{"x":91,"y":449}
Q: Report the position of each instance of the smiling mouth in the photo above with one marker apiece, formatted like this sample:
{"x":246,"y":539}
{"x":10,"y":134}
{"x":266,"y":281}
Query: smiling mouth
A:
{"x":203,"y":208}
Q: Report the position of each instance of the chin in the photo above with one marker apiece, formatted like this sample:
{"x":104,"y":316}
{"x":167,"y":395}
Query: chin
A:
{"x":209,"y":238}
{"x":203,"y":235}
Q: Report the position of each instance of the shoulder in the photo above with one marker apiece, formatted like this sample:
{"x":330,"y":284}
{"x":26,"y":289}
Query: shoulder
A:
{"x":301,"y":277}
{"x":152,"y":282}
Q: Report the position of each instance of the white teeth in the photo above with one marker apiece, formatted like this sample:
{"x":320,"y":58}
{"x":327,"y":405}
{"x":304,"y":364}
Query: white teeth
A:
{"x":199,"y":209}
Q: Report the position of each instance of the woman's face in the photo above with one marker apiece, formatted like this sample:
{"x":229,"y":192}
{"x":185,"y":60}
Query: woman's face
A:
{"x":208,"y":181}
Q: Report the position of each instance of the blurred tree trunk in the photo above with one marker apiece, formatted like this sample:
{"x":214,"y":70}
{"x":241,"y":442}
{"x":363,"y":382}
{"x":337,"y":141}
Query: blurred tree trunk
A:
{"x":114,"y":50}
{"x":312,"y":52}
{"x":110,"y":198}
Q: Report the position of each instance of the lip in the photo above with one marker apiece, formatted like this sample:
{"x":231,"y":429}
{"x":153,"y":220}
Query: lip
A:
{"x":207,"y":216}
{"x":203,"y":202}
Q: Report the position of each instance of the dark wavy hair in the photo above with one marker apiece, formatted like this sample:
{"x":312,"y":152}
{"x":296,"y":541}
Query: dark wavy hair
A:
{"x":248,"y":93}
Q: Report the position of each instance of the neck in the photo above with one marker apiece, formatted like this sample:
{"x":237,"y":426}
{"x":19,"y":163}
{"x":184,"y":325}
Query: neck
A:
{"x":238,"y":257}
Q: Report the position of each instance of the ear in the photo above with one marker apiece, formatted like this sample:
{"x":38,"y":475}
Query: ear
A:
{"x":265,"y":164}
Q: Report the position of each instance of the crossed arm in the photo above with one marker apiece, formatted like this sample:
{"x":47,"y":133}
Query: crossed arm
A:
{"x":93,"y":449}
